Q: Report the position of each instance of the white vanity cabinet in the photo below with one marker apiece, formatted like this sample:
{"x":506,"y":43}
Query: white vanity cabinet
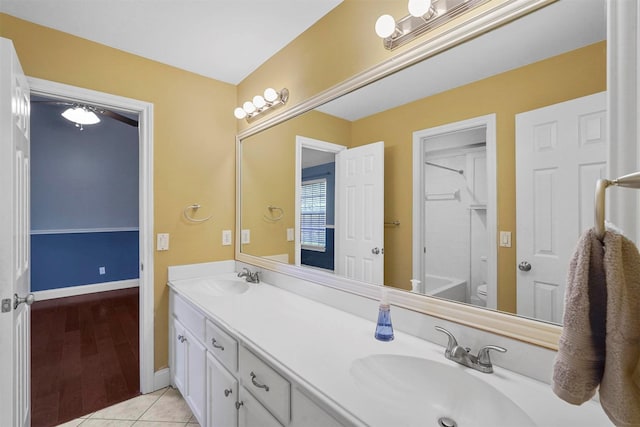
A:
{"x":226,"y":384}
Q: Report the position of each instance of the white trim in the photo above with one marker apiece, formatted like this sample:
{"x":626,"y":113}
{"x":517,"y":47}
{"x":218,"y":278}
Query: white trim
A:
{"x":71,"y":291}
{"x":145,"y":129}
{"x":489,"y":123}
{"x":85,"y":230}
{"x":161,"y":379}
{"x":314,"y":144}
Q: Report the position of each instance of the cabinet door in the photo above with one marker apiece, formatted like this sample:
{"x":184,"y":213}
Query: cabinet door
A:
{"x":252,"y":413}
{"x":195,"y":357}
{"x":176,"y":338}
{"x":222,"y":395}
{"x":306,"y":413}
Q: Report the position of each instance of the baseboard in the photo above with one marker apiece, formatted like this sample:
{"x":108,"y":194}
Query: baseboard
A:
{"x":161,"y":379}
{"x":85,"y":289}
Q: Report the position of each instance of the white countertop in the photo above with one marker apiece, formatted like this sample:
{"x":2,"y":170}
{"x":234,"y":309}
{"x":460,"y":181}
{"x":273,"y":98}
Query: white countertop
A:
{"x":316,"y":345}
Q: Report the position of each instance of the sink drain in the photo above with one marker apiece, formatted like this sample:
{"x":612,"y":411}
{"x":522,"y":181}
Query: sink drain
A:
{"x":447,"y":422}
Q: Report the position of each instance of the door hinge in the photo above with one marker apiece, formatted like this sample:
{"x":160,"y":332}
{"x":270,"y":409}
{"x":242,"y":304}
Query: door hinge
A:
{"x":6,"y":305}
{"x":141,"y":267}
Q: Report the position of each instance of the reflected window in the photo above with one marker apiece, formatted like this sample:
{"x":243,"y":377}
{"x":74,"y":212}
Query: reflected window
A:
{"x":313,"y":218}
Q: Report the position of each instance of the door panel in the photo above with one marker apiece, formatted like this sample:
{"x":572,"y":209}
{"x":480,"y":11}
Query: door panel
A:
{"x":14,"y":239}
{"x":559,"y":152}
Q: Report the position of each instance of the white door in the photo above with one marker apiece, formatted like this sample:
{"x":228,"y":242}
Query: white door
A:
{"x":559,"y":156}
{"x":360,"y":213}
{"x":14,"y":240}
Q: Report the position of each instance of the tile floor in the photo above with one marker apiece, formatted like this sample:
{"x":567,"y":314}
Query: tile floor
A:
{"x":163,"y":408}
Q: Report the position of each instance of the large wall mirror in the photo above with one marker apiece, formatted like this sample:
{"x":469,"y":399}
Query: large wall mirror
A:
{"x":467,"y":176}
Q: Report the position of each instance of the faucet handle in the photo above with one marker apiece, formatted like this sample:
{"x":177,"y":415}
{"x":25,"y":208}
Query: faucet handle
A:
{"x":453,"y":343}
{"x":483,"y":354}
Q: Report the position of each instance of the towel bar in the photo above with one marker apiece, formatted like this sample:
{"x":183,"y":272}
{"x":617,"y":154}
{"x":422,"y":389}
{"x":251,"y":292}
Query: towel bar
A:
{"x":631,"y":180}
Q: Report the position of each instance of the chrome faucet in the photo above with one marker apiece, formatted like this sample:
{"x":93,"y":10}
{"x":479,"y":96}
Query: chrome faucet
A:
{"x":461,"y":355}
{"x":249,"y":276}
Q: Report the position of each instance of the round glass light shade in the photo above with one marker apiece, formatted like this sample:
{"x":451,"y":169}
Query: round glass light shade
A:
{"x":270,"y":94}
{"x":385,"y":26}
{"x":419,"y":8}
{"x":259,"y":101}
{"x":239,"y":113}
{"x":81,"y":116}
{"x":249,"y":107}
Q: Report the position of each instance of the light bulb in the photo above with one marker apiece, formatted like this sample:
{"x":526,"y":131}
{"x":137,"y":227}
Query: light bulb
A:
{"x":249,"y":107}
{"x":239,"y":113}
{"x":259,"y":101}
{"x":270,"y":94}
{"x":419,"y":8}
{"x":81,"y":115}
{"x":385,"y":26}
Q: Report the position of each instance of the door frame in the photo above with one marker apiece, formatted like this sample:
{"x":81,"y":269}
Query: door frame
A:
{"x":145,"y":197}
{"x":313,"y":144}
{"x":489,"y":123}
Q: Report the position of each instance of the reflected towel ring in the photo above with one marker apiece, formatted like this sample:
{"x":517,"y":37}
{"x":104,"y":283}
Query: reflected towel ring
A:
{"x":194,"y":208}
{"x":271,"y":217}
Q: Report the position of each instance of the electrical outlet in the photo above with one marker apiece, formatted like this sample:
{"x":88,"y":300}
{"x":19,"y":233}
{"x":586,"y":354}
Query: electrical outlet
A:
{"x":245,"y":236}
{"x":226,"y":237}
{"x":102,"y":271}
{"x":163,"y":242}
{"x":290,"y":236}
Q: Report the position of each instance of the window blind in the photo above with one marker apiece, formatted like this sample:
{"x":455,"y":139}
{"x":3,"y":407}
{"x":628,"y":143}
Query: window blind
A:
{"x":313,"y":221}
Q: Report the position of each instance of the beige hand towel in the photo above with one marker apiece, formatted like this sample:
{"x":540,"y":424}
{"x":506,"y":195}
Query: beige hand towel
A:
{"x":620,"y":386}
{"x":579,"y":364}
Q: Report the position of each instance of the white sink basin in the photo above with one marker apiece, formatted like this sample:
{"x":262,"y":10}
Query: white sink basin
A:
{"x":217,"y":286}
{"x":425,"y":392}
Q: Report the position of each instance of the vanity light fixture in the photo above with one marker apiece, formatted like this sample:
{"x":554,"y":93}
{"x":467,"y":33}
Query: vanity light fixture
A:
{"x":271,"y":98}
{"x":424,"y":15}
{"x":81,"y":115}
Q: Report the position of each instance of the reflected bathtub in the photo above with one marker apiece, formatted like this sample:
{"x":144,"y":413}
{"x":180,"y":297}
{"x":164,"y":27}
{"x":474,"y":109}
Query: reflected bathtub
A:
{"x":444,"y":287}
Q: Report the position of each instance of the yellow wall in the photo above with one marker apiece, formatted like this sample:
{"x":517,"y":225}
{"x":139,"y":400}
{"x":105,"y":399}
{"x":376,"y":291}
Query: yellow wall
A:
{"x":571,"y":75}
{"x":268,"y":177}
{"x":194,"y":151}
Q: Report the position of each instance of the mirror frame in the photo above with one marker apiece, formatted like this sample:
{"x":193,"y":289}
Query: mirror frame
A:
{"x":620,"y":19}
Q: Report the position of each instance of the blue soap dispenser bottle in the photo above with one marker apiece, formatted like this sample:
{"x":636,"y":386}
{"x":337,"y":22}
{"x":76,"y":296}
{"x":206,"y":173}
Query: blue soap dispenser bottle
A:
{"x":384,"y":329}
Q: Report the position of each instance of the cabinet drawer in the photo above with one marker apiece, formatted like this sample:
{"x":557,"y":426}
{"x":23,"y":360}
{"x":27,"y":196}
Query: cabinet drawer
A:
{"x":222,"y":345}
{"x":188,"y":316}
{"x":269,"y":387}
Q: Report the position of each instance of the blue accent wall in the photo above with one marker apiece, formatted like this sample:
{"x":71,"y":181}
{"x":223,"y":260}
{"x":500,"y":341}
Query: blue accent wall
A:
{"x":84,"y":200}
{"x":315,"y":258}
{"x":72,"y":259}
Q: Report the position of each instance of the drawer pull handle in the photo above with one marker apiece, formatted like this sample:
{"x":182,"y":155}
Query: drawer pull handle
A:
{"x":182,"y":338}
{"x":257,"y":384}
{"x":227,"y":392}
{"x":239,"y":404}
{"x":213,"y":343}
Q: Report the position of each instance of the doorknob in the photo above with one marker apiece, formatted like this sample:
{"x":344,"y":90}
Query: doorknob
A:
{"x":377,"y":251}
{"x":29,"y":299}
{"x":524,"y":266}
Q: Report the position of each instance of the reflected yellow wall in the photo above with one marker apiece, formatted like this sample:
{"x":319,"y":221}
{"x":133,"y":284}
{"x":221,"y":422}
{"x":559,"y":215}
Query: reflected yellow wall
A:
{"x":268,"y":178}
{"x":568,"y":76}
{"x":194,"y":151}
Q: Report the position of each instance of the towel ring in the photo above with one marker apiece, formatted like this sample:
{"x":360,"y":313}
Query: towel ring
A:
{"x":194,"y":208}
{"x":271,"y":217}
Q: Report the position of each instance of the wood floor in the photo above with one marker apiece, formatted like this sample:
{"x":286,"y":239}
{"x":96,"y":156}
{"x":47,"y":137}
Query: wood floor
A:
{"x":84,"y":354}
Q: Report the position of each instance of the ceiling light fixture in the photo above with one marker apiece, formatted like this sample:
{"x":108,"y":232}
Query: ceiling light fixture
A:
{"x":424,"y":15}
{"x":260,"y":104}
{"x":81,"y":115}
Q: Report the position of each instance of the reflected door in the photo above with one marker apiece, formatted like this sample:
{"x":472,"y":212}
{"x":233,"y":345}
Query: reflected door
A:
{"x":559,"y":157}
{"x":360,"y":213}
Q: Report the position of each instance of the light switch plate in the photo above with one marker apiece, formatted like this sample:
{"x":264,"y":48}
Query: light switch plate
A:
{"x":290,"y":236}
{"x":505,"y":239}
{"x":226,"y":237}
{"x":245,"y":236}
{"x":163,"y":242}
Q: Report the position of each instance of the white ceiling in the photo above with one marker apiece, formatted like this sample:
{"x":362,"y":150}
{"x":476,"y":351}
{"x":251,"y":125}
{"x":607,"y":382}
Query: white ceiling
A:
{"x":222,"y":39}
